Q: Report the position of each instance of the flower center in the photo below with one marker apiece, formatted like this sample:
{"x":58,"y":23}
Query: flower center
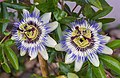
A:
{"x":28,"y":32}
{"x":81,"y":37}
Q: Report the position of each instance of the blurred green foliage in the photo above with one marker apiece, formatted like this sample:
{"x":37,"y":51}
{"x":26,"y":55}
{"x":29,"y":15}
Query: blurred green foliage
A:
{"x":64,"y":16}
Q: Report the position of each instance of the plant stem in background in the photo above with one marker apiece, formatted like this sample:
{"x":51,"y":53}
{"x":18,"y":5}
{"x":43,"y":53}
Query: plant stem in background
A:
{"x":62,"y":4}
{"x":108,"y":74}
{"x":5,"y":38}
{"x":43,"y":66}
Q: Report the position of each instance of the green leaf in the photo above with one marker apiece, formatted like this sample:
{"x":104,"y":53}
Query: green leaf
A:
{"x":72,"y":75}
{"x":40,"y":1}
{"x":104,"y":3}
{"x":4,"y":64}
{"x":9,"y":42}
{"x":88,"y":11}
{"x":102,"y":13}
{"x":99,"y":71}
{"x":105,"y":27}
{"x":52,"y":56}
{"x":111,"y":63}
{"x":67,"y":20}
{"x":106,"y":20}
{"x":16,"y":6}
{"x":74,"y":14}
{"x":5,"y":15}
{"x":96,"y":3}
{"x":89,"y":73}
{"x":1,"y":54}
{"x":59,"y":32}
{"x":6,"y":33}
{"x":12,"y":57}
{"x":64,"y":68}
{"x":6,"y":67}
{"x":4,"y":20}
{"x":35,"y":76}
{"x":114,"y":44}
{"x":59,"y":14}
{"x":15,"y":1}
{"x":48,"y":6}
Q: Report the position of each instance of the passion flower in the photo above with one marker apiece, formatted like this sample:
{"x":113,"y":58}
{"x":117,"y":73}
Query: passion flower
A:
{"x":83,"y":41}
{"x":31,"y":33}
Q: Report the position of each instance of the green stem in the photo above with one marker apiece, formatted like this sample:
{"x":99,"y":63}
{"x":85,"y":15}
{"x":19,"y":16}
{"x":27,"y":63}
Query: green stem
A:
{"x":5,"y":38}
{"x":62,"y":4}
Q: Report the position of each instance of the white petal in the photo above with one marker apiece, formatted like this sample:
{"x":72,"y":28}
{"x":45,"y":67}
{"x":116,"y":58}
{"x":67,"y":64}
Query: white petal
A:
{"x":13,"y":38}
{"x":78,"y":65}
{"x":69,"y":59}
{"x":107,"y":39}
{"x":103,"y":39}
{"x":33,"y":54}
{"x":58,"y":47}
{"x":22,"y":52}
{"x":46,"y":17}
{"x":52,"y":26}
{"x":99,"y":25}
{"x":25,"y":13}
{"x":107,"y":50}
{"x":94,"y":60}
{"x":50,"y":42}
{"x":36,"y":12}
{"x":43,"y":53}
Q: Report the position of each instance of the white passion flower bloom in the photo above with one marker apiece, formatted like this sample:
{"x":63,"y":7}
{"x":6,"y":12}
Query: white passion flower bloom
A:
{"x":83,"y":42}
{"x":31,"y":33}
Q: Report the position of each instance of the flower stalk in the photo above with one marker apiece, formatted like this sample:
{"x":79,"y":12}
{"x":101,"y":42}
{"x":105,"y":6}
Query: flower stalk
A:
{"x":43,"y":66}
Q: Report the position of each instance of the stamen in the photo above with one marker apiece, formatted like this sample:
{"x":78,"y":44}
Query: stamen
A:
{"x":82,"y":38}
{"x":29,"y":32}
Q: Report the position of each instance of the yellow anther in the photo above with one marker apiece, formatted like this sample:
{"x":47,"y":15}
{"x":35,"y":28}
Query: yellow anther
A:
{"x":29,"y":31}
{"x":80,"y":37}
